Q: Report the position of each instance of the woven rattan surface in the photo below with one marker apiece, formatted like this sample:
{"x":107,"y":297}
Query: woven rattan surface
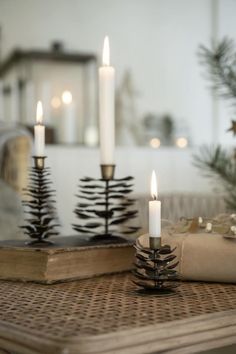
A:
{"x":105,"y":315}
{"x":104,"y":304}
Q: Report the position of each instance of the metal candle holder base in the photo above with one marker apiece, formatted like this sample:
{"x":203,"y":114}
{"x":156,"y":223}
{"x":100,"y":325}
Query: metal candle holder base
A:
{"x":39,"y":205}
{"x":154,"y":268}
{"x":105,"y":205}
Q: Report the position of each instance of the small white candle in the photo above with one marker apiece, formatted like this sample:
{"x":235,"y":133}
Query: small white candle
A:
{"x":154,"y":210}
{"x":46,"y":98}
{"x":15,"y":102}
{"x":39,"y":132}
{"x":106,"y":107}
{"x":29,"y":103}
{"x":69,"y":127}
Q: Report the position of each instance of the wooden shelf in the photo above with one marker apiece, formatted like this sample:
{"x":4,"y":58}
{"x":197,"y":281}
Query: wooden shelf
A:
{"x":18,"y":56}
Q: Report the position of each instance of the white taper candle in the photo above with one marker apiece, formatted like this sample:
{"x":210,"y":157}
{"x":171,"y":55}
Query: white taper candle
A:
{"x":39,"y":132}
{"x":107,"y":107}
{"x":154,"y":210}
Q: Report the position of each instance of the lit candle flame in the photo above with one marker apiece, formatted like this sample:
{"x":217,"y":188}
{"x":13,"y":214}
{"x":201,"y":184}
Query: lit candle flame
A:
{"x":154,"y":185}
{"x":39,"y":113}
{"x":106,"y":52}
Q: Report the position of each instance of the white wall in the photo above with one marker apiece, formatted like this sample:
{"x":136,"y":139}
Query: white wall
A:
{"x":157,"y":39}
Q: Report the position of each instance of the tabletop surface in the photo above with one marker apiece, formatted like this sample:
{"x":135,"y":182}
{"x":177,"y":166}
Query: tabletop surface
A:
{"x":60,"y":316}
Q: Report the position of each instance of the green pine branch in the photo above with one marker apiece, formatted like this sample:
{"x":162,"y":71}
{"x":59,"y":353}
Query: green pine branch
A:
{"x":220,"y":166}
{"x":215,"y":162}
{"x":220,"y":62}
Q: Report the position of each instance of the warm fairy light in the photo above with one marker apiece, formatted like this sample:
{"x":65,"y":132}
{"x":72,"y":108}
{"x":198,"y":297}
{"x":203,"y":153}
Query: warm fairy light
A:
{"x":181,"y":142}
{"x":106,"y":52}
{"x":155,"y":143}
{"x":55,"y":102}
{"x":154,"y":185}
{"x":39,"y":113}
{"x":200,"y":220}
{"x":91,"y":136}
{"x":66,"y":97}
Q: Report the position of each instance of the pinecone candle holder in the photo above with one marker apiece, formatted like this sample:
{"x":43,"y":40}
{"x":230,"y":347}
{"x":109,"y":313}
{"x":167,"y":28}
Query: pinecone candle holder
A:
{"x":41,"y":223}
{"x":105,"y":208}
{"x":155,"y":269}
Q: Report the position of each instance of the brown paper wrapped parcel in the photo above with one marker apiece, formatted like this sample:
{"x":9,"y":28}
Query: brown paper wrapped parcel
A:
{"x":202,"y":256}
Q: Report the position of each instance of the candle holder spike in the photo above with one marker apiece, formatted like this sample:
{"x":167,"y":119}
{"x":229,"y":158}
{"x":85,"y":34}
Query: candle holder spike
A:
{"x":39,"y":205}
{"x":105,"y":207}
{"x":155,"y":269}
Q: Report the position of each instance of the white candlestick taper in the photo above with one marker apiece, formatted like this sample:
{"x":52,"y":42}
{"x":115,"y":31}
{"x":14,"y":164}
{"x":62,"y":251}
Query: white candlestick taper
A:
{"x":107,"y":107}
{"x":154,"y":210}
{"x":39,"y":132}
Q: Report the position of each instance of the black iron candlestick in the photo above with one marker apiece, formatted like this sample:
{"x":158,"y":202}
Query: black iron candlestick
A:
{"x":39,"y":205}
{"x":107,"y":206}
{"x":154,"y":267}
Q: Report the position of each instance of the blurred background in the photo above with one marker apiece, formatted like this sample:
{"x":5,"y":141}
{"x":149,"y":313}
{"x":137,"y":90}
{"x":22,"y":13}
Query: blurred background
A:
{"x":50,"y":50}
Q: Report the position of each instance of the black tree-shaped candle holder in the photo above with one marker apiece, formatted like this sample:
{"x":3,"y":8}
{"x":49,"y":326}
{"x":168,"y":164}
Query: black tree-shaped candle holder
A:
{"x":155,"y":268}
{"x":39,"y":206}
{"x":105,"y":207}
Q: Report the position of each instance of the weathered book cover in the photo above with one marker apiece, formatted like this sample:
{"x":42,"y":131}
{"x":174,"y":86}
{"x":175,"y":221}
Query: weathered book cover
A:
{"x":69,"y":258}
